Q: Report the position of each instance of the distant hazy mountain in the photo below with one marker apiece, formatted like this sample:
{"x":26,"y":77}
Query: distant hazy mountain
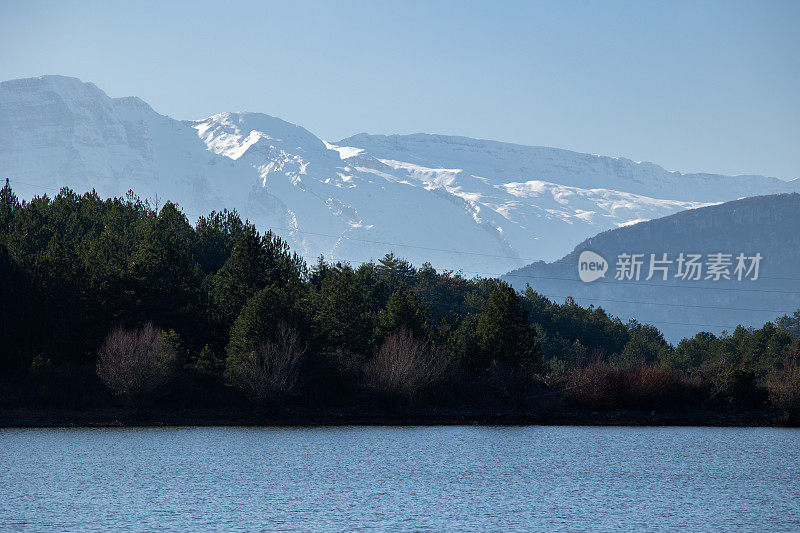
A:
{"x":480,"y":206}
{"x":765,"y":225}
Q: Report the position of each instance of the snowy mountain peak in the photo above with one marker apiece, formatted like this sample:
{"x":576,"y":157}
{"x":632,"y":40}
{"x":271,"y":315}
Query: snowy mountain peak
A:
{"x":133,"y":103}
{"x":67,"y":87}
{"x":66,"y":91}
{"x":484,"y":207}
{"x":232,"y":134}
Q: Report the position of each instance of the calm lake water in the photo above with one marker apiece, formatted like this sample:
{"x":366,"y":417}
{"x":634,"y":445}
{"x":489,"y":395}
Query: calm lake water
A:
{"x":430,"y":479}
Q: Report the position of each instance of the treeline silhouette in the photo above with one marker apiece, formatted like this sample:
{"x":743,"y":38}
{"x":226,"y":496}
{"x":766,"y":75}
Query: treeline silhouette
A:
{"x":117,"y":302}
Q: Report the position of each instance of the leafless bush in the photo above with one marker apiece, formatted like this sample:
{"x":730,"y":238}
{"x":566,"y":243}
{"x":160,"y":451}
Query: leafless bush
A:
{"x":271,"y":371}
{"x":600,"y":385}
{"x":784,"y":389}
{"x":646,"y":384}
{"x":404,"y":365}
{"x":596,"y":385}
{"x":134,"y":363}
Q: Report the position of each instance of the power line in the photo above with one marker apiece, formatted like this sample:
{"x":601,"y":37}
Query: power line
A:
{"x":36,"y":185}
{"x":670,"y":305}
{"x":689,"y":324}
{"x":531,"y":276}
{"x":526,"y":276}
{"x":387,"y":243}
{"x":645,"y":284}
{"x":482,"y":254}
{"x":552,"y":297}
{"x":445,"y":250}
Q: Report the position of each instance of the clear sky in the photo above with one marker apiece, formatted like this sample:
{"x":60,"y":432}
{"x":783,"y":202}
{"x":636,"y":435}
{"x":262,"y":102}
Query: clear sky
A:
{"x":695,"y":86}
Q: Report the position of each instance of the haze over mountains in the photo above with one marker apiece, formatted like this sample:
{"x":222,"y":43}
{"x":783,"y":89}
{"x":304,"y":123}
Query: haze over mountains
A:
{"x":483,"y":207}
{"x":765,"y":225}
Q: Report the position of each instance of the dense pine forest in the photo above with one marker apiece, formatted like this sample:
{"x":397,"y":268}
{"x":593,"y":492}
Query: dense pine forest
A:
{"x":122,"y":304}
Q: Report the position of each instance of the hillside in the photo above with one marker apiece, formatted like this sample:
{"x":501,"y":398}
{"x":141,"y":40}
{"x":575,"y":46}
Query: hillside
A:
{"x":769,"y":225}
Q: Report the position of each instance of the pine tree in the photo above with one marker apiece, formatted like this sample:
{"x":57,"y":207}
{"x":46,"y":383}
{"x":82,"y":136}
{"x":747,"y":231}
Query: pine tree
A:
{"x":504,"y":333}
{"x":256,"y":261}
{"x":258,"y":323}
{"x":403,"y":310}
{"x":260,"y":316}
{"x":8,"y":205}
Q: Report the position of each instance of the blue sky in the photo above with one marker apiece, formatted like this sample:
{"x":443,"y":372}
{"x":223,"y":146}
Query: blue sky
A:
{"x":694,"y":86}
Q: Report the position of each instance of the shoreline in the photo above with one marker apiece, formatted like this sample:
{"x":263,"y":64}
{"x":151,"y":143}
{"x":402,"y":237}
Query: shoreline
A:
{"x":48,"y":418}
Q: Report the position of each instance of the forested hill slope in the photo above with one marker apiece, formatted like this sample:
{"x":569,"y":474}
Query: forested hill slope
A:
{"x":766,"y":225}
{"x":111,"y":303}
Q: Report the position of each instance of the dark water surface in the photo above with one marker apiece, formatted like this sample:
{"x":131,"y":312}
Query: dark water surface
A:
{"x":422,"y":478}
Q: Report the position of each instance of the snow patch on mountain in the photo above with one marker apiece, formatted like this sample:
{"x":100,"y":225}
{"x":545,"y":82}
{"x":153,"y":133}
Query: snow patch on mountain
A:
{"x":464,"y":204}
{"x":503,"y":162}
{"x":345,"y":152}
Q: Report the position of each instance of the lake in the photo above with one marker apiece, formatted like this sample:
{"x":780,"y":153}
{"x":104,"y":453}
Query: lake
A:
{"x":411,"y":479}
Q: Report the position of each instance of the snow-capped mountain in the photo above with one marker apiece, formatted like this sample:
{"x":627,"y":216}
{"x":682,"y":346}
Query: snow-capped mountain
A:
{"x":479,"y":206}
{"x":498,"y":163}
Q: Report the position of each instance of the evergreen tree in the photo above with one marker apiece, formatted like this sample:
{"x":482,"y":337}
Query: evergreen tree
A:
{"x":256,"y":261}
{"x":216,"y":235}
{"x":8,"y":205}
{"x":504,"y":333}
{"x":319,"y":272}
{"x":258,"y":323}
{"x":346,"y":310}
{"x":16,"y":319}
{"x":396,"y":271}
{"x":646,"y":345}
{"x":691,"y":352}
{"x":403,"y":310}
{"x":790,"y":324}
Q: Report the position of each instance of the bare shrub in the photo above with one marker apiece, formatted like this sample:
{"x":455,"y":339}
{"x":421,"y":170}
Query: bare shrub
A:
{"x":645,"y":385}
{"x":596,"y":385}
{"x":600,"y":385}
{"x":784,"y":389}
{"x":404,"y":365}
{"x":135,"y":363}
{"x":271,"y":371}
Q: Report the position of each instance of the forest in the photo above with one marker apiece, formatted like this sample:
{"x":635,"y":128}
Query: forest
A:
{"x":121,"y":304}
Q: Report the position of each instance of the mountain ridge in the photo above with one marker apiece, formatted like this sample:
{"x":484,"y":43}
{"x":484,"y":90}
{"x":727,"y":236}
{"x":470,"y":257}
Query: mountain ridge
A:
{"x":766,"y":225}
{"x":385,"y":146}
{"x":487,"y":211}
